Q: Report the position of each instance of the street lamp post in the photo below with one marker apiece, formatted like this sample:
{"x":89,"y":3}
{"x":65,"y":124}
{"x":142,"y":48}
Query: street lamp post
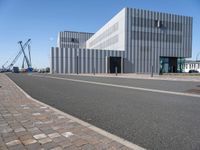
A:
{"x":77,"y":64}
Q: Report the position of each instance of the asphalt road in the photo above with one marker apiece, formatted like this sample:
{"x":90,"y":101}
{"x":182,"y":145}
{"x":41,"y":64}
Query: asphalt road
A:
{"x":149,"y":119}
{"x":175,"y":86}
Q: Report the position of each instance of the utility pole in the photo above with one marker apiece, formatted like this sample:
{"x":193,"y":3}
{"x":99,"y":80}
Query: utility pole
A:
{"x":77,"y":64}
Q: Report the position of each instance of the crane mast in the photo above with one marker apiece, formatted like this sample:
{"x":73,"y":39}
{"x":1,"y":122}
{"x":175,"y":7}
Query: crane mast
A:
{"x":22,"y":50}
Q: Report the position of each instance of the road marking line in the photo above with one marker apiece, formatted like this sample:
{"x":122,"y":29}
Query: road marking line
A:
{"x":90,"y":126}
{"x":121,"y":86}
{"x":155,"y":77}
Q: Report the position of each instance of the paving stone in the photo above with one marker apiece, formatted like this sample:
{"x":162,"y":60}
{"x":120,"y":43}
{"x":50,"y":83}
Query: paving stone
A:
{"x":8,"y":134}
{"x":101,"y":146}
{"x":43,"y":107}
{"x":39,"y":136}
{"x":29,"y":141}
{"x":57,"y":148}
{"x":80,"y":142}
{"x":25,"y":124}
{"x":15,"y":115}
{"x":6,"y":130}
{"x":56,"y":127}
{"x":59,"y":139}
{"x":12,"y":143}
{"x":115,"y":144}
{"x":88,"y":147}
{"x":36,"y":114}
{"x":2,"y":147}
{"x":21,"y":133}
{"x":72,"y":147}
{"x":61,"y":117}
{"x":49,"y":145}
{"x":25,"y":137}
{"x":67,"y":134}
{"x":45,"y":140}
{"x":65,"y":143}
{"x":48,"y":131}
{"x":35,"y":146}
{"x":54,"y":135}
{"x":19,"y":130}
{"x":10,"y":138}
{"x":17,"y":147}
{"x":111,"y":148}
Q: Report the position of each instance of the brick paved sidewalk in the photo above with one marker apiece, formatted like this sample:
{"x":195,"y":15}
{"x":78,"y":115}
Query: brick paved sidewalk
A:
{"x":27,"y":124}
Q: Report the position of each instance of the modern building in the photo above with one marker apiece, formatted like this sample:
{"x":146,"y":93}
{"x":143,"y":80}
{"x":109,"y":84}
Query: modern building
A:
{"x":133,"y":41}
{"x":72,"y":39}
{"x":191,"y":65}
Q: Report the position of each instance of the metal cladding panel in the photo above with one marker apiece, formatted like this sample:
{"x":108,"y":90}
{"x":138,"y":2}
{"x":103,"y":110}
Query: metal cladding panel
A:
{"x":57,"y":60}
{"x":70,"y":39}
{"x":145,"y":43}
{"x":71,"y":60}
{"x":52,"y":60}
{"x":65,"y":60}
{"x":149,"y":42}
{"x":61,"y":62}
{"x":93,"y":59}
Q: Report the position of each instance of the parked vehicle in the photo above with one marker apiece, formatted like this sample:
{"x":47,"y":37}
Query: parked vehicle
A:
{"x":193,"y":71}
{"x":47,"y":69}
{"x":15,"y":70}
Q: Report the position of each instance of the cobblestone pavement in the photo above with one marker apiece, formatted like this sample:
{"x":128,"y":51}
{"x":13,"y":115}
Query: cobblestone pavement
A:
{"x":26,"y":124}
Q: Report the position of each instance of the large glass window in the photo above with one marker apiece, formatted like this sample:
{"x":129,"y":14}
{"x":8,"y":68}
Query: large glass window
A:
{"x":164,"y":65}
{"x":171,"y":64}
{"x":180,"y":63}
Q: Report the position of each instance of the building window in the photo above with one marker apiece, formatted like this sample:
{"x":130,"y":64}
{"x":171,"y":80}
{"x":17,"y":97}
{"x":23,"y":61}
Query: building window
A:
{"x":158,"y":23}
{"x":73,"y":40}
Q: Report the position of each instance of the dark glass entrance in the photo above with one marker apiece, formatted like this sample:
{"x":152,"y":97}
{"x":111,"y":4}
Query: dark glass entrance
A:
{"x":113,"y":64}
{"x":168,"y":65}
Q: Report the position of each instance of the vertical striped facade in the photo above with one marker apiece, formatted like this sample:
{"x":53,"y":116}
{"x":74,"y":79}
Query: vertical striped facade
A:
{"x":72,"y":39}
{"x":73,"y":60}
{"x":148,"y":36}
{"x":146,"y":43}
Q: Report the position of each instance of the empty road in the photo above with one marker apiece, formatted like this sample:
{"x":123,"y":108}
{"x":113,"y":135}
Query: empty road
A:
{"x":152,"y":114}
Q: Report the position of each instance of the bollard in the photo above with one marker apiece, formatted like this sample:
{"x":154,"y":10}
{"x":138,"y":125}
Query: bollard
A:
{"x":152,"y":71}
{"x":116,"y":71}
{"x":77,"y":64}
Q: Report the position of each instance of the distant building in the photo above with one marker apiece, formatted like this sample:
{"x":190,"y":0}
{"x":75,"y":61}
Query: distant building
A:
{"x":133,"y":41}
{"x":71,"y":39}
{"x":191,"y":65}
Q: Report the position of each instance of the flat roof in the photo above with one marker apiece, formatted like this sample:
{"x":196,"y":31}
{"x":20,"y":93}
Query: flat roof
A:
{"x":77,"y":32}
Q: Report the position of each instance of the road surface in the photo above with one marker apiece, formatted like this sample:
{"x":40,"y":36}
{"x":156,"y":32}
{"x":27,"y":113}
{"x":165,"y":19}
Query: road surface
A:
{"x":150,"y":119}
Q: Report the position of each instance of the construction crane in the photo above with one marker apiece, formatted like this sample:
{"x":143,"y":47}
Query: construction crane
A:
{"x":8,"y":68}
{"x":29,"y":53}
{"x":27,"y":60}
{"x":3,"y":66}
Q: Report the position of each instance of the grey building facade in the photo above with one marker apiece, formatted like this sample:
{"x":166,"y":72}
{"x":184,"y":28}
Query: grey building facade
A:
{"x":75,"y":60}
{"x":72,"y":39}
{"x":156,"y":39}
{"x":134,"y":41}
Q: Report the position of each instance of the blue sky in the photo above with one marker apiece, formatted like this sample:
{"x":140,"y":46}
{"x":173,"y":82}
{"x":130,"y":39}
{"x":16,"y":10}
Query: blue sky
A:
{"x":41,"y":20}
